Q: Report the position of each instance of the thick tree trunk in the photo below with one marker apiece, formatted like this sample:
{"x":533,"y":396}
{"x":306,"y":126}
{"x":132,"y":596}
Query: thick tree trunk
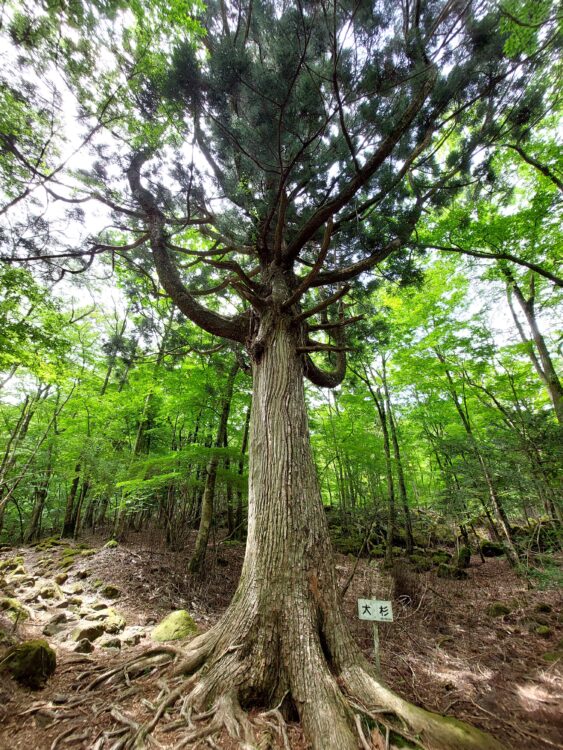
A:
{"x":284,"y":633}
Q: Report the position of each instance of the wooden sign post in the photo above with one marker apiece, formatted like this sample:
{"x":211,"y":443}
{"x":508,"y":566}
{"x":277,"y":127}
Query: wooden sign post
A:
{"x":376,"y":611}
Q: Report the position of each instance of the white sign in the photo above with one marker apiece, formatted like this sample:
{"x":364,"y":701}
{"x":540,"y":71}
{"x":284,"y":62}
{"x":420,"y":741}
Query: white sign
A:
{"x":376,"y":610}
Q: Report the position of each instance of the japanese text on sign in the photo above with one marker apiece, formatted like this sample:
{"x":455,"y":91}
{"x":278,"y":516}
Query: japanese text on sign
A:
{"x":373,"y":609}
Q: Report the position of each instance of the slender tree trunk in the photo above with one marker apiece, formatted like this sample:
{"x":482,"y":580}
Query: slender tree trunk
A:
{"x":496,"y":502}
{"x":34,"y":526}
{"x":391,"y":514}
{"x":196,"y":562}
{"x":240,"y":493}
{"x":544,"y":366}
{"x":399,"y":467}
{"x":68,"y":528}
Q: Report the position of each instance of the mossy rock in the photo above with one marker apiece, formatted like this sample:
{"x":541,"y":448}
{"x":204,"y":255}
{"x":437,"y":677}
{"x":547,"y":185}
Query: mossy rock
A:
{"x":88,"y":631}
{"x":61,"y":578}
{"x":50,"y":542}
{"x":110,"y":591}
{"x":492,"y":549}
{"x":111,"y":544}
{"x":12,"y":563}
{"x":497,"y":609}
{"x":544,"y":631}
{"x":84,"y":647}
{"x":178,"y":624}
{"x":67,"y":562}
{"x":451,"y":572}
{"x":30,"y":663}
{"x":71,"y":552}
{"x":463,"y":557}
{"x":111,"y":643}
{"x":113,"y":622}
{"x":420,"y":563}
{"x":88,"y":552}
{"x":440,"y":557}
{"x":51,"y":591}
{"x":14,"y":609}
{"x":19,"y":572}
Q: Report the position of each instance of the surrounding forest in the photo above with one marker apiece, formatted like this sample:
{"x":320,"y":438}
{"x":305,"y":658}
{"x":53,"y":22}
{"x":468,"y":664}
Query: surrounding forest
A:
{"x":279,"y":305}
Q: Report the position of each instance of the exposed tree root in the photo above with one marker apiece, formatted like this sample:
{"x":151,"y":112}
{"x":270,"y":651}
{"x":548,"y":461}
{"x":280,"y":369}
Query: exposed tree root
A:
{"x":344,"y":709}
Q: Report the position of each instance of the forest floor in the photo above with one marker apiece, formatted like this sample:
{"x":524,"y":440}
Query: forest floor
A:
{"x":443,"y":650}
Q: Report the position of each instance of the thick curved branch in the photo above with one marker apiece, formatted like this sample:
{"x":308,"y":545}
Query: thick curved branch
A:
{"x":325,"y":378}
{"x":235,"y":328}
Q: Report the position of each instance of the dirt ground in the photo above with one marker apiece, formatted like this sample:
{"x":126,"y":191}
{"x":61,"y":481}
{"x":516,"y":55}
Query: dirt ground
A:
{"x":443,"y":651}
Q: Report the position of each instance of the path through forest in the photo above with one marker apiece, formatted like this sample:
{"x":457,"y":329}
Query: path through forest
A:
{"x":444,"y":651}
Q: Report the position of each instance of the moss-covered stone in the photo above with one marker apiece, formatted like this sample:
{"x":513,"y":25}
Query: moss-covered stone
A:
{"x":14,"y":609}
{"x":60,"y":578}
{"x":497,"y":609}
{"x":111,"y":544}
{"x":30,"y":662}
{"x":463,"y":557}
{"x":543,"y":630}
{"x":176,"y":625}
{"x":18,"y":572}
{"x":110,"y":591}
{"x":10,"y":564}
{"x":88,"y":552}
{"x":88,"y":631}
{"x":113,"y":622}
{"x":51,"y":591}
{"x":420,"y":563}
{"x":492,"y":549}
{"x":451,"y":572}
{"x":56,"y":624}
{"x":84,"y":647}
{"x":440,"y":557}
{"x":111,"y":643}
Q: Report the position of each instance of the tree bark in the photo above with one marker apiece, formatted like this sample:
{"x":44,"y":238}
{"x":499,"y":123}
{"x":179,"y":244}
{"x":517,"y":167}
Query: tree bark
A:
{"x":284,"y":634}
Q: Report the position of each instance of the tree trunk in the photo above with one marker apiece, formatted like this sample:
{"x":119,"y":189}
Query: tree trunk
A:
{"x":34,"y":527}
{"x":544,"y":366}
{"x":399,"y":466}
{"x":196,"y":562}
{"x":284,"y":632}
{"x":498,"y":507}
{"x":239,"y":512}
{"x":68,"y":523}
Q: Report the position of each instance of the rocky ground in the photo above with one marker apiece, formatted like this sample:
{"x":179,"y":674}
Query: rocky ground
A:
{"x":487,"y":649}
